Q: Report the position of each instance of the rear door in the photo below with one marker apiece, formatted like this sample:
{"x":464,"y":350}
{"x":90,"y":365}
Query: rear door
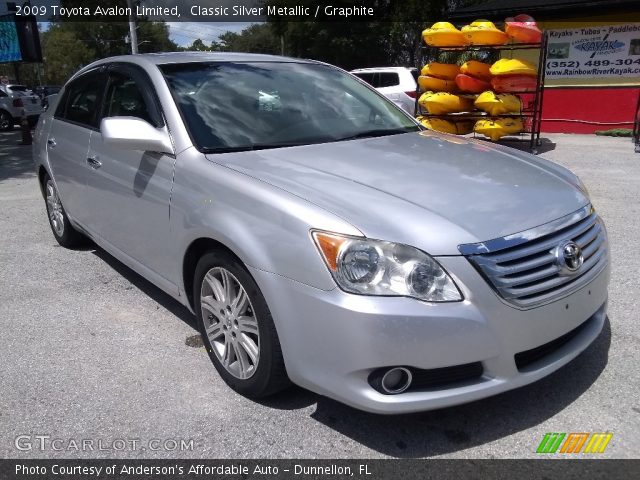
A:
{"x":129,"y":190}
{"x":74,"y":121}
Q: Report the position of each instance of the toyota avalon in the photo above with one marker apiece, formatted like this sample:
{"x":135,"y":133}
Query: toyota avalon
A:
{"x":319,"y":234}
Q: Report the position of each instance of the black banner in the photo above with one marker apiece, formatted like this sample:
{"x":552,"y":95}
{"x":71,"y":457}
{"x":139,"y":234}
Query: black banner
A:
{"x":440,"y":469}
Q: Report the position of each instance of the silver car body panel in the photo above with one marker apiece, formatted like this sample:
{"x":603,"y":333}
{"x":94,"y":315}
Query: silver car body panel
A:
{"x":432,"y":191}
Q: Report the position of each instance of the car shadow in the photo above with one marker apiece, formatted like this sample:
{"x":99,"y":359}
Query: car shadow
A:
{"x":545,"y":145}
{"x":435,"y":432}
{"x":148,"y":288}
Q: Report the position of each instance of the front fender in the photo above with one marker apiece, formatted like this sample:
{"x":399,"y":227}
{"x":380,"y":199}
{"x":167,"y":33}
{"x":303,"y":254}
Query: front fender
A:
{"x":265,"y":226}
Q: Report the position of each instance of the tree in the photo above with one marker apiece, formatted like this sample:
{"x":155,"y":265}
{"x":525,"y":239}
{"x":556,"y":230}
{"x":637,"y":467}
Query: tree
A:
{"x":198,"y":46}
{"x":154,"y":37}
{"x":257,"y":38}
{"x":63,"y":54}
{"x":392,"y":38}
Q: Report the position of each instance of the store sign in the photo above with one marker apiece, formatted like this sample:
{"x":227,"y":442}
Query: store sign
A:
{"x":9,"y":44}
{"x":603,"y":51}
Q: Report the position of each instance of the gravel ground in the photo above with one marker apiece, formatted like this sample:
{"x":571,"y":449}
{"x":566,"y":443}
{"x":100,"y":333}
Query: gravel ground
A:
{"x":90,"y":350}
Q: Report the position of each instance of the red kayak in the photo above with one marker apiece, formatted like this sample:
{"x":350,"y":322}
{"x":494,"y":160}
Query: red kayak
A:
{"x":514,"y":83}
{"x":467,"y":83}
{"x":523,"y":28}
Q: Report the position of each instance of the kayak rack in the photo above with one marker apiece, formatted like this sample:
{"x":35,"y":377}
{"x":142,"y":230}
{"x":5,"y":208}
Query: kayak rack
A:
{"x":636,"y":127}
{"x":531,"y":101}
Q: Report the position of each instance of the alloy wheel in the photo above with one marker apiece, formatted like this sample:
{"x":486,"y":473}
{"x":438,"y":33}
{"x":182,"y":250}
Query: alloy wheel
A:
{"x":230,"y":323}
{"x":54,"y":209}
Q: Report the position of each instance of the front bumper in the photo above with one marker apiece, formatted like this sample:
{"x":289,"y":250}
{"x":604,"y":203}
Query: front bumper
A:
{"x":332,"y":340}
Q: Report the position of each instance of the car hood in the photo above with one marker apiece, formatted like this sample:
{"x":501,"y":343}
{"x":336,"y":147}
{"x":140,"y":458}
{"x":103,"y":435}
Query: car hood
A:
{"x":429,"y":190}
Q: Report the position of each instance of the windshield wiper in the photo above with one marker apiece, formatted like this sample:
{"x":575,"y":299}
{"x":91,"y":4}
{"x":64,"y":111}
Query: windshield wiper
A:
{"x":380,"y":132}
{"x":248,"y":148}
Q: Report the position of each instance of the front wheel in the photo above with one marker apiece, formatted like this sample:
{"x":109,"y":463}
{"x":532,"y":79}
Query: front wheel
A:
{"x":237,"y":328}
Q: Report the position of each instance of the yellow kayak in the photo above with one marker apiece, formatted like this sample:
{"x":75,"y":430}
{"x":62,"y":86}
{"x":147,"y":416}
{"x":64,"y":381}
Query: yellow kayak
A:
{"x":476,"y":69}
{"x":514,"y":66}
{"x":498,"y":103}
{"x":436,"y":84}
{"x":446,"y":71}
{"x":460,"y":127}
{"x":444,"y":34}
{"x":496,"y":128}
{"x":441,"y":103}
{"x":484,"y":32}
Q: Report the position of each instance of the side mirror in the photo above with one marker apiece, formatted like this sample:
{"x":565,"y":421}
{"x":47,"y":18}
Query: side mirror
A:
{"x":131,"y":133}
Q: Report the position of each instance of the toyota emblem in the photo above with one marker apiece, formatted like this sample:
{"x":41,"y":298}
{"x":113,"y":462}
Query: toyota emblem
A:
{"x":569,"y":257}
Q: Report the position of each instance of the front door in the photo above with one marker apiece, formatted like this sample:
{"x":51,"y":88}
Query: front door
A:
{"x":130,"y":190}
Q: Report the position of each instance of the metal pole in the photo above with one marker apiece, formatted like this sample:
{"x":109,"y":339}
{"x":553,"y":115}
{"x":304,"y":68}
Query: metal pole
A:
{"x":133,"y":34}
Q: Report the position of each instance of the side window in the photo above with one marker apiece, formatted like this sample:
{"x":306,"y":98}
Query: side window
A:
{"x":367,"y":77}
{"x":83,"y":100}
{"x":388,"y":79}
{"x":125,"y":99}
{"x":2,"y":94}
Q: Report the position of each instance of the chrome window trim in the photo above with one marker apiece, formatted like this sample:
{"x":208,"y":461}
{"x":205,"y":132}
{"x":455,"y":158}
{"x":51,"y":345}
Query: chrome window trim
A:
{"x":515,"y":239}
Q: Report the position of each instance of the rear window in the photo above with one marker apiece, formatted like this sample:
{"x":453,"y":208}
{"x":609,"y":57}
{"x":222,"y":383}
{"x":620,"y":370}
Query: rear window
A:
{"x":387,"y":79}
{"x":19,"y":90}
{"x":366,"y":77}
{"x":379,"y":79}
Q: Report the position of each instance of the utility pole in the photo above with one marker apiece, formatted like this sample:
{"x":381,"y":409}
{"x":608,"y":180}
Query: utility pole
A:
{"x":133,"y":34}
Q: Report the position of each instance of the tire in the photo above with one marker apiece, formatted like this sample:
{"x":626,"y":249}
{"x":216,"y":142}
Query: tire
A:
{"x":6,"y":121}
{"x":63,"y":231}
{"x":246,"y":354}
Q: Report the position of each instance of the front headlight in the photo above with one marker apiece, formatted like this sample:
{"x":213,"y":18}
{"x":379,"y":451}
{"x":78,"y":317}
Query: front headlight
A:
{"x":374,"y":267}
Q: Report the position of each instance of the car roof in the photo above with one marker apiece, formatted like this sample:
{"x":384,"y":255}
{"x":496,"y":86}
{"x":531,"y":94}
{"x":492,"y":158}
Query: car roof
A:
{"x":150,"y":59}
{"x":382,"y":69}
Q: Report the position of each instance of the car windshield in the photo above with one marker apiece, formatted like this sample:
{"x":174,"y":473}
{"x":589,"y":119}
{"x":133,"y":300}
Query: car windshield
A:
{"x":232,"y":106}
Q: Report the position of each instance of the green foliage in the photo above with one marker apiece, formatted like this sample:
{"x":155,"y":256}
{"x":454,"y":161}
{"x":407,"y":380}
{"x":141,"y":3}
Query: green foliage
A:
{"x":64,"y":53}
{"x":615,"y":132}
{"x":257,"y":38}
{"x":198,"y":46}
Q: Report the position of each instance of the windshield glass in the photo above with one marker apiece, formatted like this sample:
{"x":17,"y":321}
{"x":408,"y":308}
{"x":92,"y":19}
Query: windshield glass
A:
{"x":231,"y":106}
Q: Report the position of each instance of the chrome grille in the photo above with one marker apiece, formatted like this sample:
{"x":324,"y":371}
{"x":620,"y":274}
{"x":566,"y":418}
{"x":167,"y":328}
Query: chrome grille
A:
{"x":523,"y":268}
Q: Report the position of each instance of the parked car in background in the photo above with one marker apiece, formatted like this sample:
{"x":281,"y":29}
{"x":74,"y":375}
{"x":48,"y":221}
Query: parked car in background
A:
{"x":44,"y":91}
{"x":398,"y":84}
{"x":16,"y":89}
{"x":320,"y":234}
{"x":17,"y":101}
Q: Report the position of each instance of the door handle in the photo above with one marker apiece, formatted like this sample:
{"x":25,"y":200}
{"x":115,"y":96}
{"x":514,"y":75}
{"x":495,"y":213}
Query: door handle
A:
{"x":94,"y":162}
{"x":51,"y":142}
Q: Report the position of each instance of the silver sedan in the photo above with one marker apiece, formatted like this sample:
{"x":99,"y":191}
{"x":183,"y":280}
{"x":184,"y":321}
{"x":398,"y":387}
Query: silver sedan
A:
{"x":319,"y":234}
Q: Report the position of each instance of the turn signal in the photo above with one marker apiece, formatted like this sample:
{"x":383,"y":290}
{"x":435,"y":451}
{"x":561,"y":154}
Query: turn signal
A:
{"x":329,"y":245}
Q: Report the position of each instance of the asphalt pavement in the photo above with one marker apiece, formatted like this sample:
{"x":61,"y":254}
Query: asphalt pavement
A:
{"x":90,"y":351}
